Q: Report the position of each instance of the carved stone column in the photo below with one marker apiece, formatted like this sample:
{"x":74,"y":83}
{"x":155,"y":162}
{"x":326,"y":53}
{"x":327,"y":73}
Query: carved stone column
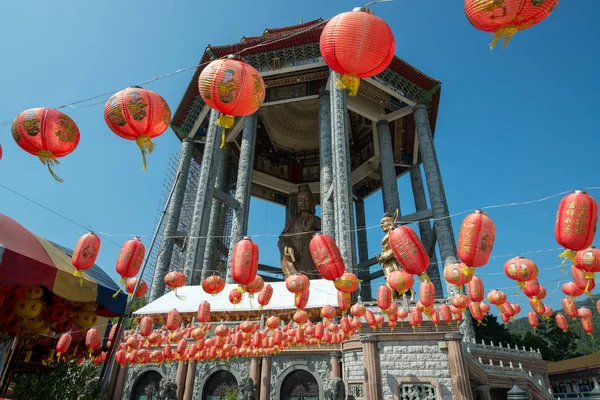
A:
{"x":112,"y":382}
{"x":363,"y":249}
{"x":372,"y":372}
{"x":165,"y":252}
{"x":458,"y":367}
{"x":327,"y":211}
{"x":239,"y":225}
{"x":334,"y":364}
{"x":389,"y":180}
{"x":118,"y":391}
{"x":255,"y":370}
{"x":484,"y":391}
{"x":188,"y":391}
{"x":180,"y":379}
{"x":265,"y":378}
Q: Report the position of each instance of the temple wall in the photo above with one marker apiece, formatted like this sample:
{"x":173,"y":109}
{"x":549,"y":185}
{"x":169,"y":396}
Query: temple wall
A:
{"x":134,"y":372}
{"x":239,"y":367}
{"x":411,"y":362}
{"x":283,"y":365}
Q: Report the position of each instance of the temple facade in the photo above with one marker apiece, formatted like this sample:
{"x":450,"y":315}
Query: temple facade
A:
{"x":310,"y":136}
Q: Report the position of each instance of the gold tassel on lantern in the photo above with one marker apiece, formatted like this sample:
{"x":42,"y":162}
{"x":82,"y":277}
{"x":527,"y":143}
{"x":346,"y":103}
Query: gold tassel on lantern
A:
{"x":27,"y":356}
{"x":566,"y":255}
{"x":506,"y":32}
{"x":350,"y":82}
{"x":79,"y":275}
{"x":226,"y":122}
{"x":48,"y":159}
{"x":146,"y":146}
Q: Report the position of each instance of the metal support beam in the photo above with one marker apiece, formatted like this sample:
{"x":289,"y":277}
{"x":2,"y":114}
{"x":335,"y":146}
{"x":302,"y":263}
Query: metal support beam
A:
{"x":226,"y":199}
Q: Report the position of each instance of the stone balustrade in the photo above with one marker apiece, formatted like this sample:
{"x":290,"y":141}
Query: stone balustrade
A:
{"x":503,"y":351}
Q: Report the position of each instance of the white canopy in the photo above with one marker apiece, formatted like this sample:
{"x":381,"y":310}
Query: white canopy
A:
{"x":322,"y":293}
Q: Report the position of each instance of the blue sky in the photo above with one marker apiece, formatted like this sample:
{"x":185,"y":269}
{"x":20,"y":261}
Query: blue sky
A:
{"x":514,"y":124}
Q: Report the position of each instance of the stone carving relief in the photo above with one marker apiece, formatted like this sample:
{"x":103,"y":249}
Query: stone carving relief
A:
{"x":336,"y":390}
{"x":417,"y":391}
{"x":356,"y":390}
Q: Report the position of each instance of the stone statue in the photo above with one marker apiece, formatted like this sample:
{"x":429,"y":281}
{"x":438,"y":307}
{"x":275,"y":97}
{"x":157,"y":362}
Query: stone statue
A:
{"x":335,"y":390}
{"x":167,"y":389}
{"x":295,"y":238}
{"x":248,"y":389}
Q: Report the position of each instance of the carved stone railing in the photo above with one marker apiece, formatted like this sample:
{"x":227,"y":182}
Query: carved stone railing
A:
{"x":503,"y":351}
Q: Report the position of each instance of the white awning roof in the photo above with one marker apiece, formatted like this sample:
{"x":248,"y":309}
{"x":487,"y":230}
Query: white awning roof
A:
{"x":322,"y":293}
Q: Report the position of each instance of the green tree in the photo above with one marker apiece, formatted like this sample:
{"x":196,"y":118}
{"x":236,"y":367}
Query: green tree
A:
{"x":491,"y":330}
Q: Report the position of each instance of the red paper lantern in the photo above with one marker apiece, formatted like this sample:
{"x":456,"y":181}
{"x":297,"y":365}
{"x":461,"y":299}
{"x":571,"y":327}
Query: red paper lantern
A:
{"x":485,"y":308}
{"x":532,"y":288}
{"x":244,"y":262}
{"x":256,"y":286}
{"x":476,"y":239}
{"x":533,"y":320}
{"x":146,"y":326}
{"x":231,"y":87}
{"x":588,"y":260}
{"x":569,"y":307}
{"x":138,"y":114}
{"x":326,"y":256}
{"x":203,"y":312}
{"x":384,"y":297}
{"x":357,"y":44}
{"x":85,"y":253}
{"x":328,"y":312}
{"x":62,"y":346}
{"x":273,"y":322}
{"x":409,"y":251}
{"x":584,"y":312}
{"x":571,"y":289}
{"x":507,"y":17}
{"x":598,"y":306}
{"x":265,"y":296}
{"x":92,"y":340}
{"x":358,"y":310}
{"x":130,"y":286}
{"x":130,"y":259}
{"x":542,"y":294}
{"x":175,"y":279}
{"x":370,"y":318}
{"x":400,"y":281}
{"x":415,"y":317}
{"x":46,"y":133}
{"x":344,"y":300}
{"x":537,"y":306}
{"x":347,"y":283}
{"x":507,"y":309}
{"x":476,"y":291}
{"x":516,"y":308}
{"x":583,"y":280}
{"x":300,"y":317}
{"x":235,"y":296}
{"x":213,"y":285}
{"x":587,"y":325}
{"x":476,"y":311}
{"x":460,"y":301}
{"x":427,"y":293}
{"x":173,"y":320}
{"x":561,"y":322}
{"x":496,"y":297}
{"x":576,"y":223}
{"x":301,"y":299}
{"x":458,"y":274}
{"x":297,"y":283}
{"x":521,"y":270}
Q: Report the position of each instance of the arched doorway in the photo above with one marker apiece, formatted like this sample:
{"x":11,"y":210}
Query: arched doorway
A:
{"x":146,"y":387}
{"x":219,"y":385}
{"x":300,"y":385}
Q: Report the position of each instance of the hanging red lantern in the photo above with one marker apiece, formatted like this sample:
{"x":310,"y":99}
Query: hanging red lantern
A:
{"x":583,"y":280}
{"x":203,"y":312}
{"x":62,"y":346}
{"x":175,"y":279}
{"x":458,"y":274}
{"x":507,"y":309}
{"x":476,"y":239}
{"x":598,"y":306}
{"x":476,"y":291}
{"x":358,"y":310}
{"x":92,"y":340}
{"x":300,"y":317}
{"x":532,"y":317}
{"x":357,"y":44}
{"x":571,"y":289}
{"x":213,"y":284}
{"x":46,"y":133}
{"x":85,"y":253}
{"x":561,"y":322}
{"x":146,"y":326}
{"x":344,"y":300}
{"x":532,"y":288}
{"x":460,"y":301}
{"x":173,"y":320}
{"x":400,"y":281}
{"x":520,"y":269}
{"x":130,"y":286}
{"x":301,"y":299}
{"x":507,"y":17}
{"x":537,"y":306}
{"x":233,"y":88}
{"x":235,"y":296}
{"x":415,"y":317}
{"x":138,"y":114}
{"x":446,"y":313}
{"x":130,"y":259}
{"x":569,"y":307}
{"x":256,"y":286}
{"x":384,"y":297}
{"x":370,"y":318}
{"x":496,"y":297}
{"x":328,"y":312}
{"x":347,"y":283}
{"x":576,"y":223}
{"x":409,"y":251}
{"x":476,"y":312}
{"x":584,"y":312}
{"x":542,"y":294}
{"x":273,"y":322}
{"x":244,"y":262}
{"x":587,"y":325}
{"x":326,"y":256}
{"x":588,"y":260}
{"x":485,"y":308}
{"x":265,"y":296}
{"x":427,"y":293}
{"x":516,"y":308}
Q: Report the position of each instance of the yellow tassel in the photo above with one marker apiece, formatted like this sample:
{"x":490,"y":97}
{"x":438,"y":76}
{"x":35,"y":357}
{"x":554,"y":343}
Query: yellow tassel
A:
{"x":506,"y":32}
{"x":225,"y":121}
{"x":146,"y":146}
{"x":121,"y":283}
{"x":79,"y":275}
{"x":424,"y":277}
{"x":48,"y":159}
{"x":27,"y":356}
{"x":350,"y":82}
{"x":75,"y":350}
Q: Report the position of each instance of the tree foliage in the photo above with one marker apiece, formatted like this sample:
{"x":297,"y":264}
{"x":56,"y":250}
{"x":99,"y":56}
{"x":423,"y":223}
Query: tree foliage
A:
{"x":67,"y":381}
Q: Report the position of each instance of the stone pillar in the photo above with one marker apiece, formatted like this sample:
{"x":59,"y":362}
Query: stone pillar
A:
{"x":458,"y":367}
{"x":239,"y":225}
{"x":112,"y":382}
{"x":516,"y":393}
{"x":425,"y":231}
{"x":118,"y":391}
{"x":341,"y":161}
{"x":595,"y":393}
{"x":363,"y":249}
{"x":334,"y":364}
{"x":209,"y":266}
{"x":180,"y":378}
{"x":326,"y":161}
{"x":255,"y":370}
{"x":265,"y":378}
{"x":204,"y":195}
{"x":188,"y":387}
{"x":172,"y":220}
{"x":439,"y":206}
{"x":372,"y":372}
{"x":389,"y":181}
{"x":484,"y":391}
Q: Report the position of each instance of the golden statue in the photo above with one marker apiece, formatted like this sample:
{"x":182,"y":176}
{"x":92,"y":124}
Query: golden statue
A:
{"x":295,"y":238}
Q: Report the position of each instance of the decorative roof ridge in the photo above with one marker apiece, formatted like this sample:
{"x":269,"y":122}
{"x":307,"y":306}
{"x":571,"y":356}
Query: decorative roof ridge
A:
{"x":270,"y":31}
